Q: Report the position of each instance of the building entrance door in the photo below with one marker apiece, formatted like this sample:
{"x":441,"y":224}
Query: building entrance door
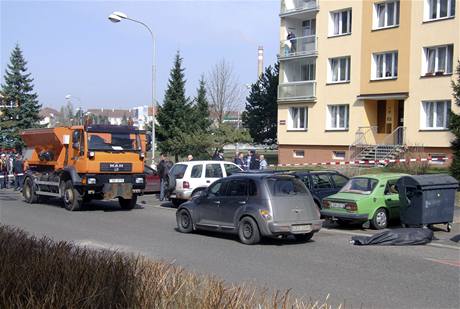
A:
{"x":400,"y":133}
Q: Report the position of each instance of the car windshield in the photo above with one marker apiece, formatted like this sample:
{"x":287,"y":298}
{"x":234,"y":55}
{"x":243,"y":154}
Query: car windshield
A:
{"x":360,"y":185}
{"x":286,"y":186}
{"x":107,"y":141}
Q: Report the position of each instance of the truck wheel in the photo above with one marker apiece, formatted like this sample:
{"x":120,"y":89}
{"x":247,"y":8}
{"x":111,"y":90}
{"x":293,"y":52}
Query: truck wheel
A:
{"x":380,"y":220}
{"x":29,"y":192}
{"x":72,"y":198}
{"x":127,"y":204}
{"x":248,"y":231}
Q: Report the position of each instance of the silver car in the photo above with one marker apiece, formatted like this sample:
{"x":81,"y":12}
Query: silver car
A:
{"x":253,"y":205}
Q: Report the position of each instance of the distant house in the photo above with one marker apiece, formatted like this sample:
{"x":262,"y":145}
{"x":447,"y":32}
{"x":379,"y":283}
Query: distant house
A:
{"x":48,"y":116}
{"x":142,"y":116}
{"x":3,"y":104}
{"x":231,"y":118}
{"x":115,"y":116}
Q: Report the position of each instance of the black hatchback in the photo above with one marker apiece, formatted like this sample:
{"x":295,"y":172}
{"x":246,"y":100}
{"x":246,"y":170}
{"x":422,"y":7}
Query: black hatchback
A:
{"x":322,"y":183}
{"x":253,"y":205}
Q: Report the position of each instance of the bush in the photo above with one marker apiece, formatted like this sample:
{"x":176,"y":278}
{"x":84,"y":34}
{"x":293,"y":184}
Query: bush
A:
{"x":40,"y":273}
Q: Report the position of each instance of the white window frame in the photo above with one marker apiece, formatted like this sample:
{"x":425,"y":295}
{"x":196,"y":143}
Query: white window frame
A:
{"x":394,"y":61}
{"x":329,"y":117}
{"x":433,"y":126}
{"x":340,"y":21}
{"x":396,"y":15}
{"x":336,"y":157}
{"x":450,"y":13}
{"x":298,"y":156}
{"x":339,"y":71}
{"x":294,"y":124}
{"x":448,"y":61}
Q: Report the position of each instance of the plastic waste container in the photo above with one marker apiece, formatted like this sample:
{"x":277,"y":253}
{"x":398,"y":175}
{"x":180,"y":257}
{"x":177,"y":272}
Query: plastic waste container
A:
{"x":427,"y":199}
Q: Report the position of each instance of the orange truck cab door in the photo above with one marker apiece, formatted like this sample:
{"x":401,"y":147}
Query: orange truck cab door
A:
{"x":78,"y":147}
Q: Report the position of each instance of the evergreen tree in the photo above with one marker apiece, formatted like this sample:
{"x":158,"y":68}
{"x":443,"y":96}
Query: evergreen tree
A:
{"x":260,"y":116}
{"x":455,"y":128}
{"x":18,"y":92}
{"x":175,"y":116}
{"x":201,"y":109}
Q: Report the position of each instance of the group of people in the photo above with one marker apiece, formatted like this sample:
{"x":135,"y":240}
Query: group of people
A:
{"x":250,"y":161}
{"x":11,"y":164}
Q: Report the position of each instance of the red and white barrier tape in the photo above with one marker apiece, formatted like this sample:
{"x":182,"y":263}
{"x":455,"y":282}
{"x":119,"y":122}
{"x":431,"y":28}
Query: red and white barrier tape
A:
{"x":11,"y":175}
{"x":359,"y":162}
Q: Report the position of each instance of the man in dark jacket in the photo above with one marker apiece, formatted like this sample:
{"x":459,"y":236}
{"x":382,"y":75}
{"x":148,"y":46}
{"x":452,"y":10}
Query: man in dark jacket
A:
{"x":250,"y":161}
{"x":163,"y":170}
{"x":18,"y":171}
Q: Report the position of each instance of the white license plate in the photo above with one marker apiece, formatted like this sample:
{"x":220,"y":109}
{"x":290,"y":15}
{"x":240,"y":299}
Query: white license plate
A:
{"x":301,"y":228}
{"x":116,"y":180}
{"x":336,"y":205}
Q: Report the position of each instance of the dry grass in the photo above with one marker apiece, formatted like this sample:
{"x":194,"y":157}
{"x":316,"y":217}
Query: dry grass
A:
{"x":40,"y":273}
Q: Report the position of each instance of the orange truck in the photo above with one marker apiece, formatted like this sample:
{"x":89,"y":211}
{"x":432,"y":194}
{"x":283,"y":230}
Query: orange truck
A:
{"x":81,"y":163}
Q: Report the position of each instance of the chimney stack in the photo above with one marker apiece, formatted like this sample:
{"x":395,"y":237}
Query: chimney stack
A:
{"x":260,"y":61}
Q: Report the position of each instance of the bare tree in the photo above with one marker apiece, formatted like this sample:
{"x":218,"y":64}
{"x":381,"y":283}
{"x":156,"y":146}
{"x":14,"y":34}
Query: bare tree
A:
{"x":224,"y":91}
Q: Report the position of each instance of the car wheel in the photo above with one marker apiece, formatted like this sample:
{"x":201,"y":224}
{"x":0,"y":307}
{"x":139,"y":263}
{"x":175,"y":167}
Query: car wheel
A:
{"x":248,"y":231}
{"x":72,"y":198}
{"x":28,"y":192}
{"x":176,"y":202}
{"x":380,"y":220}
{"x":184,"y":221}
{"x":304,"y":237}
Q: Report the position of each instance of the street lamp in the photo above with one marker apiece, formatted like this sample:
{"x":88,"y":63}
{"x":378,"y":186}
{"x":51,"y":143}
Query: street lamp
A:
{"x":116,"y":17}
{"x":79,"y":109}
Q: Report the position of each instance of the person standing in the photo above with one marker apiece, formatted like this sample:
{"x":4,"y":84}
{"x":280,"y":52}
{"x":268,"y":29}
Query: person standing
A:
{"x":3,"y":171}
{"x":292,"y":39}
{"x":239,"y":160}
{"x":189,"y":157}
{"x":18,"y":171}
{"x":251,"y":162}
{"x":163,"y":170}
{"x":262,"y":162}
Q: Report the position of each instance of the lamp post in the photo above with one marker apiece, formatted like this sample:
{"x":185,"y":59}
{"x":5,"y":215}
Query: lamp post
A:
{"x":116,"y":17}
{"x":79,"y":109}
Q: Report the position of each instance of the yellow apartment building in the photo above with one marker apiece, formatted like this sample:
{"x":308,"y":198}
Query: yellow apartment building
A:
{"x":366,"y":79}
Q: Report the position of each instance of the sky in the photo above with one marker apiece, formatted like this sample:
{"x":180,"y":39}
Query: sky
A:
{"x":72,"y":48}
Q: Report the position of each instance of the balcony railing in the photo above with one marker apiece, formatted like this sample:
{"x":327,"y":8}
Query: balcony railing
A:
{"x":291,"y":6}
{"x":303,"y":90}
{"x":301,"y":46}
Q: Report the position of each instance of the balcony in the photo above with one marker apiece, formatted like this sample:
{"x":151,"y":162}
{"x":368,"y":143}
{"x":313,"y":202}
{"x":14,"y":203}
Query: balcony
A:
{"x":291,"y":7}
{"x":295,"y":91}
{"x":298,"y":47}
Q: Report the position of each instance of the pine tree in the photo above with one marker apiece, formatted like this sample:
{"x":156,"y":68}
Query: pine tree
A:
{"x":175,"y":116}
{"x":260,"y":116}
{"x":201,"y":109}
{"x":455,"y":127}
{"x":18,"y":92}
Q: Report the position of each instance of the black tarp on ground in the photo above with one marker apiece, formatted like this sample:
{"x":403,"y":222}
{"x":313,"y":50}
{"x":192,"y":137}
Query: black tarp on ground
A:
{"x":396,"y":237}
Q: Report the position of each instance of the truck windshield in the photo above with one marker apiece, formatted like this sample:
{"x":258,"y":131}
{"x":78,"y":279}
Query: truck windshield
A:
{"x":360,"y":185}
{"x":113,"y":141}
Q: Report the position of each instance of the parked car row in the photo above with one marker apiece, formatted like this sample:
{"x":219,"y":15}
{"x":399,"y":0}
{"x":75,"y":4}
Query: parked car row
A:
{"x":219,"y":196}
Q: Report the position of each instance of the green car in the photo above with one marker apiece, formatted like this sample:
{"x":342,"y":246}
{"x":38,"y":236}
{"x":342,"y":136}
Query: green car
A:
{"x":364,"y":198}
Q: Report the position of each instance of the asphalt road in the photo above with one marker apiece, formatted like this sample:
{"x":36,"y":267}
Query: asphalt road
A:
{"x":378,"y":277}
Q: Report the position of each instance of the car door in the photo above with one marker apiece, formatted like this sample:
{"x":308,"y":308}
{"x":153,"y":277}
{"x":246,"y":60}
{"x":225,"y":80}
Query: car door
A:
{"x":209,"y":205}
{"x":339,"y":181}
{"x":196,"y":176}
{"x":322,"y":184}
{"x":213,"y":171}
{"x":152,"y":180}
{"x":392,"y":198}
{"x":236,"y":196}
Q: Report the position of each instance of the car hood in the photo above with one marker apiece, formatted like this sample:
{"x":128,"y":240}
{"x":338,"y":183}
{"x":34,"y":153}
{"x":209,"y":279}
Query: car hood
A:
{"x":345,"y":196}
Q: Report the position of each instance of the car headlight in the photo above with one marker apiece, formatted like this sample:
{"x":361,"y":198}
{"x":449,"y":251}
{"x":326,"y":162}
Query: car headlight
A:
{"x":139,"y":180}
{"x":91,"y":181}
